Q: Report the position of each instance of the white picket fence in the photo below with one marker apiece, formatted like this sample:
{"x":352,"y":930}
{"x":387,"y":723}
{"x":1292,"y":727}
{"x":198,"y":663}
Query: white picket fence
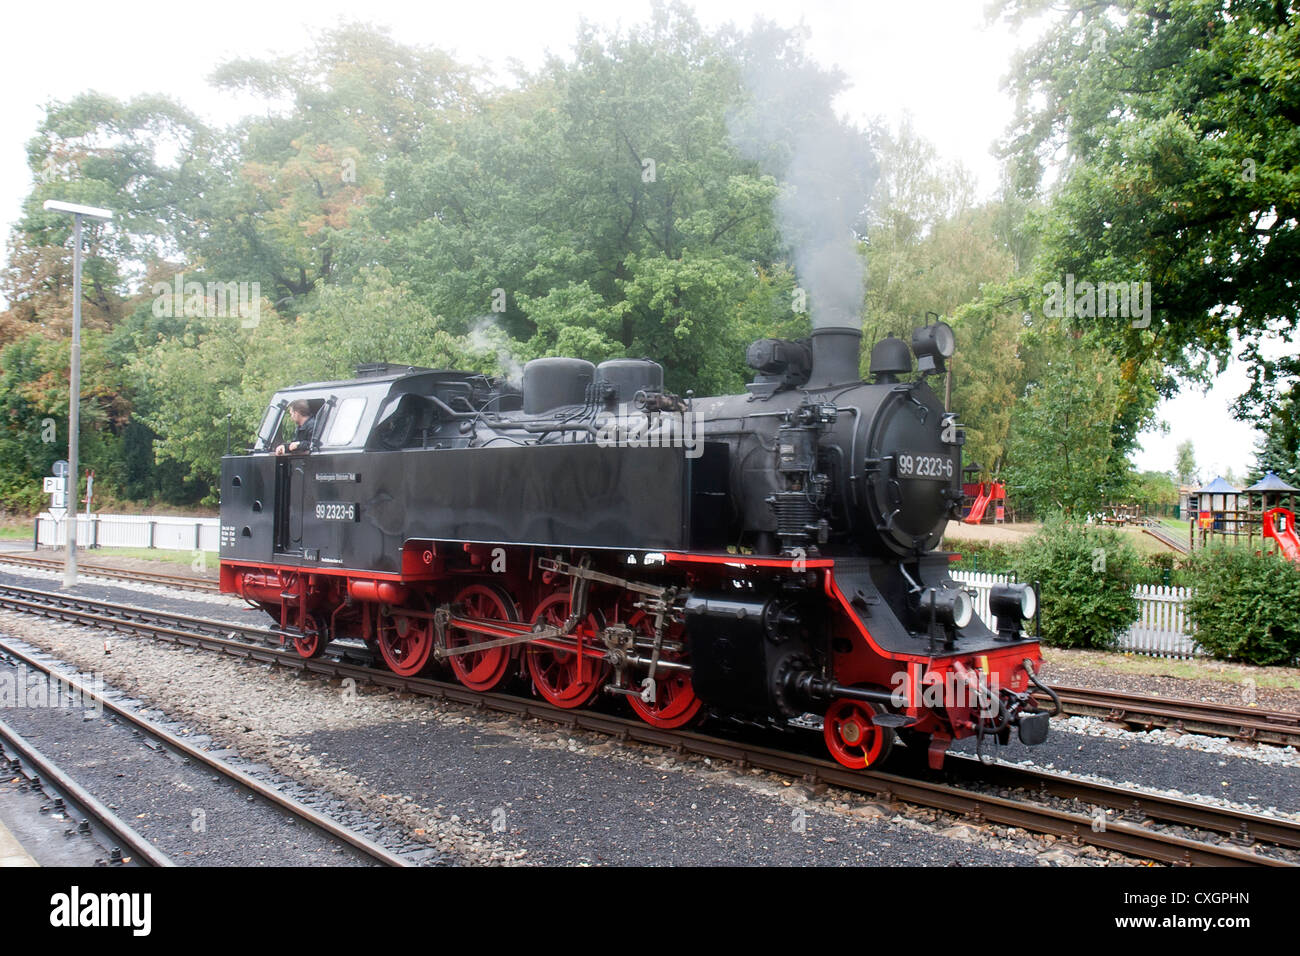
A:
{"x":168,"y":532}
{"x":1161,"y":629}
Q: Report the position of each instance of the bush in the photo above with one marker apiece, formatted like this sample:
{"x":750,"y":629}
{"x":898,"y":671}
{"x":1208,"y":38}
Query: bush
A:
{"x":1086,"y":580}
{"x":983,"y":556}
{"x":1164,"y":568}
{"x":1245,"y":606}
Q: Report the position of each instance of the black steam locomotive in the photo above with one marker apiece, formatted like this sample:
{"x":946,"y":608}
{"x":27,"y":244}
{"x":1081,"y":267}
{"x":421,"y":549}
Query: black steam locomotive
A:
{"x":766,"y":557}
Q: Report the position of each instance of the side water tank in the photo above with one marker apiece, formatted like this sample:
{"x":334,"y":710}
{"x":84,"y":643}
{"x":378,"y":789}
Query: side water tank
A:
{"x":552,"y":382}
{"x":629,"y":376}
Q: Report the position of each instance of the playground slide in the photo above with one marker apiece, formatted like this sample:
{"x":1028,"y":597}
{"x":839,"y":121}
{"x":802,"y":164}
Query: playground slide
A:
{"x":1290,"y":546}
{"x":979,"y":507}
{"x":1286,"y":539}
{"x":1165,"y":538}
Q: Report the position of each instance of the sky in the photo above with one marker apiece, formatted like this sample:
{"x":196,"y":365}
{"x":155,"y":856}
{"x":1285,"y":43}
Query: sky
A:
{"x":938,"y":61}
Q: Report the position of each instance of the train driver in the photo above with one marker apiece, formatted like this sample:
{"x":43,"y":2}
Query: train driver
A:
{"x":300,"y":411}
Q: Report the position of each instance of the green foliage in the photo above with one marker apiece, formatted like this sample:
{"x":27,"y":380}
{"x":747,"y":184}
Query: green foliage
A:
{"x":1177,"y":123}
{"x":34,"y":378}
{"x":1278,"y":448}
{"x":190,"y":383}
{"x":372,"y":319}
{"x":929,"y":247}
{"x":1062,"y":448}
{"x":988,"y":374}
{"x":1086,"y":577}
{"x":985,"y":556}
{"x":1246,"y":606}
{"x":1153,"y":488}
{"x":1185,"y":463}
{"x":603,"y":206}
{"x":193,"y":382}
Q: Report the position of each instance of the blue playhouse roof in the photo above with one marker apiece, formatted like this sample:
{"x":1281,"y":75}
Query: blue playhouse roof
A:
{"x":1218,"y":487}
{"x":1271,"y":482}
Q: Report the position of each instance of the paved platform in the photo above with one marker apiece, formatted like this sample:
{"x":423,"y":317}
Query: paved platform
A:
{"x":12,"y":852}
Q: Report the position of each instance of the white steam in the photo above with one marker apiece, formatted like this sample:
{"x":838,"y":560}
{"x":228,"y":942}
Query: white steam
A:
{"x":826,"y":166}
{"x":487,"y":336}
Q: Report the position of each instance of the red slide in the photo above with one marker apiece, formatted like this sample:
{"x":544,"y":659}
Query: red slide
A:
{"x":980,"y":506}
{"x":1285,"y":536}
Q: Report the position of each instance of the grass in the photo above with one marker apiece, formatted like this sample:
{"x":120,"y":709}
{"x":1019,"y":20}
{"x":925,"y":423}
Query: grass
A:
{"x":148,"y":554}
{"x":1279,"y":678}
{"x":16,"y":528}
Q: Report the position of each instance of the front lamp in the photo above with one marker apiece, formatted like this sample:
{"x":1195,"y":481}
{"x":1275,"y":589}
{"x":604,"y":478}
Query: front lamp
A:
{"x":1011,"y":604}
{"x":932,"y":344}
{"x":952,"y":606}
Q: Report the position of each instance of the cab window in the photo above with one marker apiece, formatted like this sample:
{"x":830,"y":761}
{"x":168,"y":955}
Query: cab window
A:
{"x":266,"y":433}
{"x":343,"y":427}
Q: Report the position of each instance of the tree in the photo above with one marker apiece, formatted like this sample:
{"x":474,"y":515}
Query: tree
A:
{"x":989,"y":373}
{"x":928,"y":247}
{"x":1063,"y":454}
{"x":1278,"y":448}
{"x":1154,"y":488}
{"x":1185,"y":464}
{"x":604,"y":209}
{"x":1175,"y":126}
{"x":374,"y":319}
{"x":289,"y":203}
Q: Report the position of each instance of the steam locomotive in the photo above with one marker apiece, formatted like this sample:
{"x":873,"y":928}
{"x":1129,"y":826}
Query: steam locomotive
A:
{"x":762,"y":558}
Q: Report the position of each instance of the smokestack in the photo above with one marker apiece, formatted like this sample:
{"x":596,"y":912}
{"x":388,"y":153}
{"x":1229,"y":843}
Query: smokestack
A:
{"x":836,"y":351}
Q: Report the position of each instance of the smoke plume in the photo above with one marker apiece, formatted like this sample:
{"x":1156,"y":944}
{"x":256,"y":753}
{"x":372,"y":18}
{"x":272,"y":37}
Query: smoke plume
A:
{"x":826,"y":168}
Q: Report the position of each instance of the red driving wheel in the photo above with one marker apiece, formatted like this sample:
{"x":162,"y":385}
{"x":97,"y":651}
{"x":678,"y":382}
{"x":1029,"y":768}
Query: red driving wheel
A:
{"x":852,"y":736}
{"x":566,"y":677}
{"x":314,"y":638}
{"x":406,"y":642}
{"x":675,"y":704}
{"x":481,"y":670}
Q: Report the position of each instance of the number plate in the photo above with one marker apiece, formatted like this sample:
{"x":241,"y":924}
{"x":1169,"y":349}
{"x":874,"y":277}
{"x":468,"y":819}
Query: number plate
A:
{"x":337,"y":511}
{"x":936,"y":467}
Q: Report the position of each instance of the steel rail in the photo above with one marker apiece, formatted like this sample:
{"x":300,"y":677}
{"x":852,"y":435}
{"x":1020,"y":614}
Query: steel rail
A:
{"x":49,"y":774}
{"x":234,"y":774}
{"x":1246,"y":724}
{"x":184,"y":581}
{"x":1242,"y":825}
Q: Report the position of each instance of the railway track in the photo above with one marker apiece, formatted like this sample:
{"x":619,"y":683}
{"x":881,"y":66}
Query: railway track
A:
{"x":185,"y":582}
{"x":1246,"y":724}
{"x":179,"y":745}
{"x":86,"y":814}
{"x":1153,"y":836}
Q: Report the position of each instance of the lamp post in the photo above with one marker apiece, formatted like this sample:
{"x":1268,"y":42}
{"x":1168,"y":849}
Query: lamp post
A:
{"x":74,"y":398}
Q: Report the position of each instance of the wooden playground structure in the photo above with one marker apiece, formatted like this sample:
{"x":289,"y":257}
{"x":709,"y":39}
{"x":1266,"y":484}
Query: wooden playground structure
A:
{"x":1265,"y":510}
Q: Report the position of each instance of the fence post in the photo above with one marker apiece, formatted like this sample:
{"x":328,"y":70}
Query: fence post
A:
{"x":151,"y":527}
{"x":94,"y":533}
{"x":36,"y":534}
{"x":198,"y":540}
